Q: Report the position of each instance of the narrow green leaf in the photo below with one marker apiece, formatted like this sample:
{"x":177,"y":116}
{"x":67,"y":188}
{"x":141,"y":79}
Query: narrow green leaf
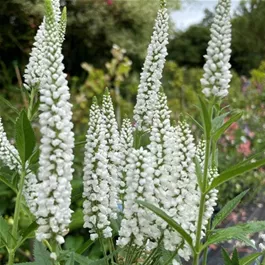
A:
{"x":217,"y":134}
{"x":27,"y":233}
{"x":195,"y":121}
{"x":227,"y":209}
{"x":250,"y":258}
{"x":206,"y":118}
{"x":71,"y":260}
{"x":235,"y":258}
{"x":27,"y":263}
{"x":8,"y":104}
{"x":220,"y":235}
{"x":226,"y":257}
{"x":85,"y":246}
{"x":246,"y":241}
{"x":25,"y":138}
{"x":170,"y":222}
{"x":231,"y":173}
{"x":8,"y":182}
{"x":82,"y":260}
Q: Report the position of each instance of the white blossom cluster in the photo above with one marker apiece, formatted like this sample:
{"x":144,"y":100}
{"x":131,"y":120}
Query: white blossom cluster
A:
{"x":102,"y":172}
{"x":126,"y":145}
{"x":217,"y":76}
{"x":183,"y":192}
{"x":57,"y":139}
{"x":211,"y":198}
{"x":152,"y":73}
{"x":163,"y":175}
{"x":138,"y":224}
{"x":10,"y":157}
{"x":112,"y":139}
{"x":8,"y":153}
{"x":34,"y":69}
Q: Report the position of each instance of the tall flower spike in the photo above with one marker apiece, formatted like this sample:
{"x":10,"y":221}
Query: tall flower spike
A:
{"x":112,"y":138}
{"x":96,"y":177}
{"x":217,"y":76}
{"x":152,"y":72}
{"x":34,"y":69}
{"x":139,"y":224}
{"x":161,"y":147}
{"x":126,"y":145}
{"x":183,"y":196}
{"x":57,"y":139}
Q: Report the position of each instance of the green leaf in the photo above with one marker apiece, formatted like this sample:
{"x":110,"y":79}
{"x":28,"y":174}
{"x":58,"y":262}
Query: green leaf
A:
{"x":227,"y":209}
{"x":25,"y":138}
{"x":82,"y":260}
{"x":206,"y":118}
{"x":246,"y":241}
{"x":234,"y":232}
{"x":195,"y":121}
{"x":85,"y":246}
{"x":250,"y":258}
{"x":41,"y":255}
{"x":170,"y":222}
{"x":27,"y":233}
{"x":7,"y":182}
{"x":71,"y":260}
{"x":218,"y":121}
{"x":8,"y":104}
{"x":235,"y":171}
{"x":226,"y":257}
{"x":235,"y":258}
{"x":217,"y":134}
{"x":4,"y":232}
{"x":27,"y":263}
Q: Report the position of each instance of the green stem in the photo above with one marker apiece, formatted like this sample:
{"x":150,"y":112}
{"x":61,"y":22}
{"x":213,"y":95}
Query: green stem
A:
{"x":202,"y":203}
{"x":11,"y":256}
{"x":31,"y":103}
{"x":205,"y":252}
{"x":16,"y":216}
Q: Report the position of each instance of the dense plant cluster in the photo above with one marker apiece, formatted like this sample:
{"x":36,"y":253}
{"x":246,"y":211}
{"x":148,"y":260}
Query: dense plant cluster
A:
{"x":149,"y":188}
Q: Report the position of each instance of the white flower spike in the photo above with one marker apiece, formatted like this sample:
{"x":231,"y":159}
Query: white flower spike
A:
{"x":57,"y":142}
{"x":152,"y":72}
{"x":96,"y":177}
{"x":217,"y":76}
{"x":34,"y":70}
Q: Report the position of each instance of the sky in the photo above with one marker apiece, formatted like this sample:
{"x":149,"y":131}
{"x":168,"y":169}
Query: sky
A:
{"x":192,"y":12}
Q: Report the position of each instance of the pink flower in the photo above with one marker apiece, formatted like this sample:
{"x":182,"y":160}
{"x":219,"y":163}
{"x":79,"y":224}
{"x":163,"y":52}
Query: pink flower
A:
{"x":244,"y":148}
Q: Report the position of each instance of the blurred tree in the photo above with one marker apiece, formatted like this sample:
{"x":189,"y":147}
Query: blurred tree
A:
{"x":248,"y":36}
{"x":93,"y":27}
{"x":187,"y":48}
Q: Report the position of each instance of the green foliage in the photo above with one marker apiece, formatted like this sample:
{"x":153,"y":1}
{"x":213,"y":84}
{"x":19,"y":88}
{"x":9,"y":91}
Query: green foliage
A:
{"x":227,"y":209}
{"x":236,"y":171}
{"x":220,"y":235}
{"x":233,"y":261}
{"x":170,"y":222}
{"x":248,"y":260}
{"x":25,"y":137}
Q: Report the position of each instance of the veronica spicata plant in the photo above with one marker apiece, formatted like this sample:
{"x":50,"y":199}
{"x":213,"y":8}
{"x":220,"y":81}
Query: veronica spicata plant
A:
{"x":149,"y":188}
